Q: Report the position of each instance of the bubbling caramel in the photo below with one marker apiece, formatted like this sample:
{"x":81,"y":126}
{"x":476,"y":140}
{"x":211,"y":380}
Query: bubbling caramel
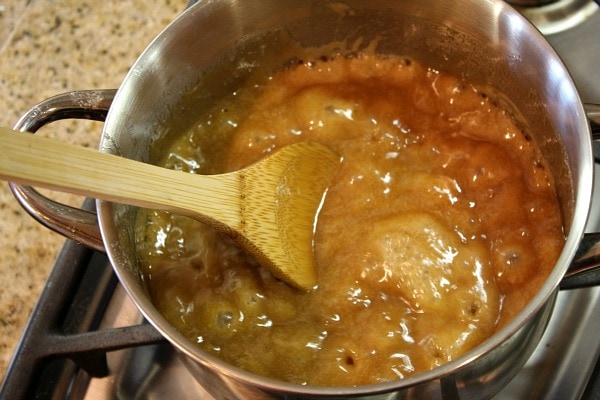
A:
{"x":440,"y":226}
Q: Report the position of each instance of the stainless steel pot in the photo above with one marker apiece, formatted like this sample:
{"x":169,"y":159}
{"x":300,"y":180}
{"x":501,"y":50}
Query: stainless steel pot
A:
{"x":486,"y":42}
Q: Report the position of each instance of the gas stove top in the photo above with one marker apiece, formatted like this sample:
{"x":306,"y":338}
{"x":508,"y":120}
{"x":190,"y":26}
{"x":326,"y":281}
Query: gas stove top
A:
{"x":564,"y":366}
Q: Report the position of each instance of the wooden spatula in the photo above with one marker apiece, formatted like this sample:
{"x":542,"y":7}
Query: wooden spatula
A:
{"x":269,"y":208}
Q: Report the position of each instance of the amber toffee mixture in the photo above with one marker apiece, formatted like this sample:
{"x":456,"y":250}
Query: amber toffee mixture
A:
{"x":440,"y":226}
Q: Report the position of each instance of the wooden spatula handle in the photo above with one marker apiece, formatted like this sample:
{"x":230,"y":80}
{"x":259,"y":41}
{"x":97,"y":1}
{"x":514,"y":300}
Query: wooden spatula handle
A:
{"x":43,"y":162}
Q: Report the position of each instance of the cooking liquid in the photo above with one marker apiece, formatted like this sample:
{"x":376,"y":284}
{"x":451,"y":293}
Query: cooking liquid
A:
{"x":440,"y":226}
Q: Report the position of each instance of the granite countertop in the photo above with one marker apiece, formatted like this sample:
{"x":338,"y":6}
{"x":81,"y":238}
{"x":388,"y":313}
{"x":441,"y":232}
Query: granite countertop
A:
{"x":48,"y":47}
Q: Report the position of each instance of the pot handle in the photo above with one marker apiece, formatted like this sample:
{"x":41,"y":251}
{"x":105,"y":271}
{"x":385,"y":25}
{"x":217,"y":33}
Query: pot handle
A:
{"x":584,"y":271}
{"x":78,"y":224}
{"x":593,"y":114}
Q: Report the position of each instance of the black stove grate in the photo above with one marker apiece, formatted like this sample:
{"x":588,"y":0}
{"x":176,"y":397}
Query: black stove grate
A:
{"x":62,"y":336}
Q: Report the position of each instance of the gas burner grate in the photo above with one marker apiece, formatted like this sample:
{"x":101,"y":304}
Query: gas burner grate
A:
{"x":63,"y":337}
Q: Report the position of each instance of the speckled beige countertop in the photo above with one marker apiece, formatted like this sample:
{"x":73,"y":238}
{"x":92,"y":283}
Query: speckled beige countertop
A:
{"x":48,"y":47}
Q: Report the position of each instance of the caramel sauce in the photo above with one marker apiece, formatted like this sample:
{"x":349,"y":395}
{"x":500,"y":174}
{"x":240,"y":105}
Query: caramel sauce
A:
{"x":441,"y":225}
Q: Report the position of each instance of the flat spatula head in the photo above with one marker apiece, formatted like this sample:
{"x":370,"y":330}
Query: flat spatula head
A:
{"x":281,"y":198}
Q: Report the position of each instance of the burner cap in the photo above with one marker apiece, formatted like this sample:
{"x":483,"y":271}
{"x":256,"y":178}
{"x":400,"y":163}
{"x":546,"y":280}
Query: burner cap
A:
{"x":552,"y":16}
